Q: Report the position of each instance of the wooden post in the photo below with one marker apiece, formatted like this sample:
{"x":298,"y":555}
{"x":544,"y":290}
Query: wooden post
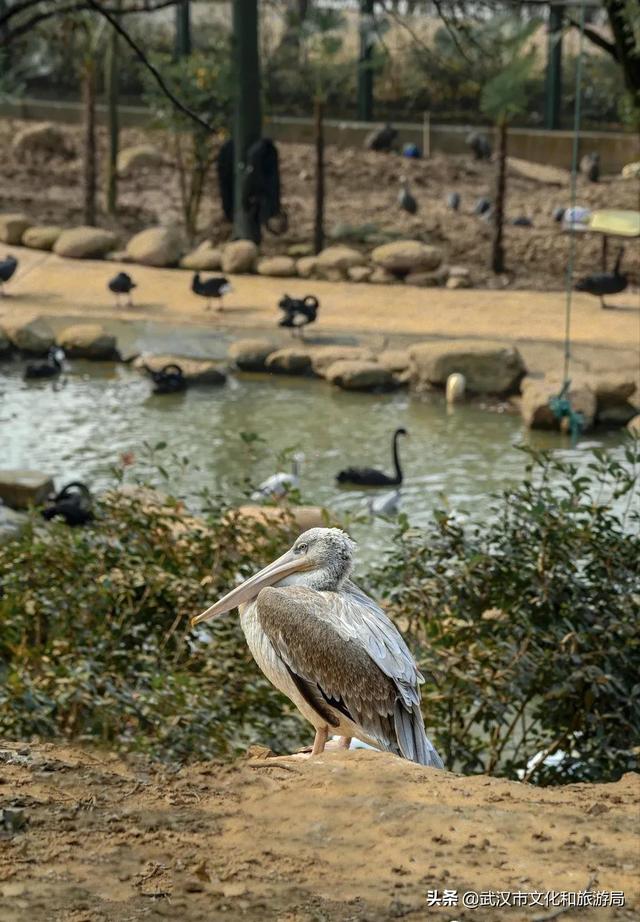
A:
{"x":318,"y":229}
{"x":365,"y":74}
{"x":113,"y":122}
{"x":497,"y":247}
{"x":89,"y":100}
{"x":426,"y":134}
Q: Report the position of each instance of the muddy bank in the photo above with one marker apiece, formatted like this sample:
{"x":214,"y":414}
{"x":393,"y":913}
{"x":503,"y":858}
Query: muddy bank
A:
{"x":348,"y":836}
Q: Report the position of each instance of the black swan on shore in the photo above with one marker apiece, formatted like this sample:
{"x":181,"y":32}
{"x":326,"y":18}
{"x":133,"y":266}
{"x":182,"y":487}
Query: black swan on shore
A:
{"x":73,"y":503}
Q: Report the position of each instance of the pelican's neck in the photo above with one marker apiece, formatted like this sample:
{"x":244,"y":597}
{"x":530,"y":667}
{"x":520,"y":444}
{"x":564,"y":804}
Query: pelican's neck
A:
{"x":323,"y":579}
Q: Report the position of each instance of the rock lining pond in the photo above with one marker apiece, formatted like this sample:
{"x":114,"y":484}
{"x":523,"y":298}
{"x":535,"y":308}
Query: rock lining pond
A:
{"x":81,"y":428}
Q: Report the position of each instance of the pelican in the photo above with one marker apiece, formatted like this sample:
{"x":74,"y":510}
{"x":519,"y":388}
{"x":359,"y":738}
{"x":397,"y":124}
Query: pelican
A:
{"x":330,"y":649}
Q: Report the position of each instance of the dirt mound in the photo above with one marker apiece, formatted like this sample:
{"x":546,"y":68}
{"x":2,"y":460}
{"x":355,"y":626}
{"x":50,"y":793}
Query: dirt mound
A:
{"x":361,"y":189}
{"x":354,"y":836}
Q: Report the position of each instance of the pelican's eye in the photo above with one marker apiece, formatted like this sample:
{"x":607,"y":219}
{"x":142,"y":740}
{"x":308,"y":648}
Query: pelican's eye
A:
{"x":301,"y":548}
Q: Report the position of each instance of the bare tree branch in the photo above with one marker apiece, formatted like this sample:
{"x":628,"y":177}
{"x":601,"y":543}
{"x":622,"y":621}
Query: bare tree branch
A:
{"x":147,"y":6}
{"x":153,"y":70}
{"x":597,"y":39}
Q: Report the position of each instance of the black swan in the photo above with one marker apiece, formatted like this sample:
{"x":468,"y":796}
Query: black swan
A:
{"x":73,"y":503}
{"x":369,"y":476}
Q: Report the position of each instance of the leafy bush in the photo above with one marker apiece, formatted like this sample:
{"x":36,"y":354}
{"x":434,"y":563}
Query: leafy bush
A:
{"x":94,"y":635}
{"x":528,"y":623}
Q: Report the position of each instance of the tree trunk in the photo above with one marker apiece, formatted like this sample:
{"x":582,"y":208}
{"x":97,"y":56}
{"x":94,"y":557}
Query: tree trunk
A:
{"x":365,"y":74}
{"x":497,"y":249}
{"x":553,"y":87}
{"x":626,"y":50}
{"x":89,"y":100}
{"x":113,"y":122}
{"x":318,"y":229}
{"x":183,"y":30}
{"x":247,"y":122}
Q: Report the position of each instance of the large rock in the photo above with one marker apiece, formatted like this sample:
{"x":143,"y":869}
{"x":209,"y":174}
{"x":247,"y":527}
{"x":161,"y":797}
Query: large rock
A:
{"x":536,"y":410}
{"x":251,"y":354}
{"x":85,"y":243}
{"x":394,"y":360}
{"x":488,"y":369}
{"x":5,"y":343}
{"x":324,"y":356}
{"x":44,"y":138}
{"x":291,"y":361}
{"x":20,"y":489}
{"x":359,"y":273}
{"x":195,"y":371}
{"x":360,"y":376}
{"x":342,"y":258}
{"x":614,"y":401}
{"x":204,"y":258}
{"x":138,"y":157}
{"x":12,"y":227}
{"x":239,"y":256}
{"x":306,"y":266}
{"x":277,"y":266}
{"x":634,"y":425}
{"x":88,"y":341}
{"x":302,"y":517}
{"x":433,"y":279}
{"x":12,"y":524}
{"x":33,"y":336}
{"x":156,"y":246}
{"x":404,"y":256}
{"x":380,"y":276}
{"x":41,"y":237}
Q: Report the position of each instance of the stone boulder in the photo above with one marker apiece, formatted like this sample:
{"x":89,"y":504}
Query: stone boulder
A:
{"x":291,"y":361}
{"x":324,"y":356}
{"x":33,"y":336}
{"x":633,"y":425}
{"x":239,"y":256}
{"x":297,"y":250}
{"x":138,"y":157}
{"x":156,"y":246}
{"x":251,"y":354}
{"x":301,"y":517}
{"x":615,"y":401}
{"x":195,"y":371}
{"x":359,"y":273}
{"x":428,"y":279}
{"x":341,"y":258}
{"x":405,"y":256}
{"x":396,"y":361}
{"x":85,"y":243}
{"x":20,"y":489}
{"x":306,"y":266}
{"x":5,"y":343}
{"x":44,"y":138}
{"x":41,"y":237}
{"x":88,"y":341}
{"x":360,"y":376}
{"x":277,"y":266}
{"x":380,"y":276}
{"x":12,"y":227}
{"x":205,"y":258}
{"x":488,"y":369}
{"x":459,"y":277}
{"x":536,"y":411}
{"x":12,"y":524}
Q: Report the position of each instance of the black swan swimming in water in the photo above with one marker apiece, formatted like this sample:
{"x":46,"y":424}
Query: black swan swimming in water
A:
{"x":169,"y":380}
{"x":369,"y":476}
{"x":73,"y":503}
{"x":50,"y":368}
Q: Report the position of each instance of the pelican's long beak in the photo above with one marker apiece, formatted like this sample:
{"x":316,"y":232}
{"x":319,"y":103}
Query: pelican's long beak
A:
{"x":248,"y":590}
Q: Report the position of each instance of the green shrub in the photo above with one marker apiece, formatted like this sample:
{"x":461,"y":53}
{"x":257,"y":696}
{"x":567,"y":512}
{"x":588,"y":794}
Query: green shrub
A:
{"x":528,"y":623}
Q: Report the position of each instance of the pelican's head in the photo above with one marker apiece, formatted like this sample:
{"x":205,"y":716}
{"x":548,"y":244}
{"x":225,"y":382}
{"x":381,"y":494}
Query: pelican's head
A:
{"x":321,"y":558}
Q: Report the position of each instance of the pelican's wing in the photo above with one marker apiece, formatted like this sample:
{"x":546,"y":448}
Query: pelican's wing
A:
{"x":340,"y":664}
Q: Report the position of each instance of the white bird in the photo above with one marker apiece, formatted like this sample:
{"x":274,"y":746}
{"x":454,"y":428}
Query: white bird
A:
{"x":278,"y":485}
{"x":387,"y":504}
{"x":331,"y":649}
{"x":456,"y":388}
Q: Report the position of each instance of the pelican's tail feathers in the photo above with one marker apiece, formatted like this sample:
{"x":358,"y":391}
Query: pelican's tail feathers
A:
{"x":413,"y":742}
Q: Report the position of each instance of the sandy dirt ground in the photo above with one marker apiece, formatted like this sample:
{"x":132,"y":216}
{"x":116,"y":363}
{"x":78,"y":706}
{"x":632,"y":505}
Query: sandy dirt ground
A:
{"x":344,"y":837}
{"x":604,"y":342}
{"x":362,"y":189}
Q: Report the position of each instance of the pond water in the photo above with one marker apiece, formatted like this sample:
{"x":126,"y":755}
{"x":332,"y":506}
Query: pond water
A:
{"x":79,"y":429}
